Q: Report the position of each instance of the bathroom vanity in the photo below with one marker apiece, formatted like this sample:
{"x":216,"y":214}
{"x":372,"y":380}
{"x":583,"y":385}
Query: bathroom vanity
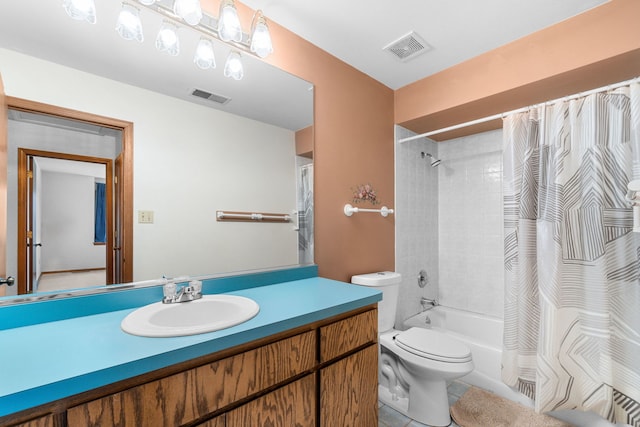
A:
{"x":309,"y":358}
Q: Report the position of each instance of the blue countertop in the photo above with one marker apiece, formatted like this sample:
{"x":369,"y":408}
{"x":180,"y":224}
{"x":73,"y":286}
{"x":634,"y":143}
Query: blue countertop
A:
{"x":48,"y":361}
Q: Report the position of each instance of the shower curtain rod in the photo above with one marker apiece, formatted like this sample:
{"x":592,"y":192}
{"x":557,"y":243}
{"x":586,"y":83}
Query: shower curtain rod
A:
{"x":519,"y":110}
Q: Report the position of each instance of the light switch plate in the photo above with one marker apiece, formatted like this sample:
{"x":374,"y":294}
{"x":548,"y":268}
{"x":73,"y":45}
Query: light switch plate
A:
{"x":145,"y":217}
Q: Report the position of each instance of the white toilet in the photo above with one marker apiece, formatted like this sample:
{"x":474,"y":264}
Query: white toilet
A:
{"x":414,"y":365}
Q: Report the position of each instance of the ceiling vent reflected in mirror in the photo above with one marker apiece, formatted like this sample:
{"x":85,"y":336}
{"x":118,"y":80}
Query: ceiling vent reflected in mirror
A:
{"x":219,"y":99}
{"x":408,"y":47}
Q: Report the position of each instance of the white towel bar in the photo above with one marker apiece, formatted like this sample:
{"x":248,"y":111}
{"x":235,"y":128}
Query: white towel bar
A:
{"x":350,"y":210}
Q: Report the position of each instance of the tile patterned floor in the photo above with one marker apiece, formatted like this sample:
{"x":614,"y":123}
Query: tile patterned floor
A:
{"x":388,"y":417}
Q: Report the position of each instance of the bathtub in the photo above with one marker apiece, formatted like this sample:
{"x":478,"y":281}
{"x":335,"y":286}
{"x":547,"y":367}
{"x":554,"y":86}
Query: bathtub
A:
{"x":483,"y":335}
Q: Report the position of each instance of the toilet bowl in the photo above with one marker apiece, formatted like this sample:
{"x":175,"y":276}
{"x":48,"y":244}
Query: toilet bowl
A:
{"x":414,"y":365}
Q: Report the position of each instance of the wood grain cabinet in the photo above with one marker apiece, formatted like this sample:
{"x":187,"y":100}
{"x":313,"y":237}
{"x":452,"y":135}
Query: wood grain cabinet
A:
{"x":321,"y":374}
{"x":187,"y":396}
{"x":349,"y":391}
{"x":349,"y":387}
{"x":219,"y":421}
{"x":338,"y":338}
{"x":46,"y":421}
{"x":292,"y":405}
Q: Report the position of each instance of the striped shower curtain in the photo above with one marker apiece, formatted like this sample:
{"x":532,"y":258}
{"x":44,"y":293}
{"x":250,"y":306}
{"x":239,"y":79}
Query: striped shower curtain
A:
{"x":572,"y":263}
{"x":305,"y":214}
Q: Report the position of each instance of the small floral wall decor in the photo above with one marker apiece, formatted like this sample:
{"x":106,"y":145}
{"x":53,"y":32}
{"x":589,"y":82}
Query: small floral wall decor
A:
{"x":364,"y":193}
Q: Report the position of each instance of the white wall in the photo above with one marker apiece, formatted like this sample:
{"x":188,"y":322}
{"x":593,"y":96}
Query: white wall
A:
{"x":449,"y":221}
{"x":189,"y":161}
{"x":68,"y":223}
{"x":45,"y":138}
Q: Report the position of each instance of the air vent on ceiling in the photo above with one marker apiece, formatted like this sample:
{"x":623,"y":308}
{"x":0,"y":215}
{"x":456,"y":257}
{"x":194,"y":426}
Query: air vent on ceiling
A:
{"x":219,"y":99}
{"x":408,"y":47}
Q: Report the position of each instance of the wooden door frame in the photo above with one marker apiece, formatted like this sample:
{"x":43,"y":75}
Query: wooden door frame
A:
{"x":25,"y":219}
{"x":26,"y":188}
{"x":126,"y":202}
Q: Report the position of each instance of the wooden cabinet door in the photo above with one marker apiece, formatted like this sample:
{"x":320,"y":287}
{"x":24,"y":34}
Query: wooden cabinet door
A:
{"x":349,"y":391}
{"x":46,"y":421}
{"x":215,"y":422}
{"x":184,"y":397}
{"x":293,"y":405}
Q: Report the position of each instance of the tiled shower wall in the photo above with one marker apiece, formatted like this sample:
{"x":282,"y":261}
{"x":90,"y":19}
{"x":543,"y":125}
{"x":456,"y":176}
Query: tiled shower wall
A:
{"x":416,"y":222}
{"x":470,"y":223}
{"x":449,"y":222}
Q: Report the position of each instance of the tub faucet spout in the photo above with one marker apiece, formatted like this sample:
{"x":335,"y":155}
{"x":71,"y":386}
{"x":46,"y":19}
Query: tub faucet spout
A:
{"x":428,"y":304}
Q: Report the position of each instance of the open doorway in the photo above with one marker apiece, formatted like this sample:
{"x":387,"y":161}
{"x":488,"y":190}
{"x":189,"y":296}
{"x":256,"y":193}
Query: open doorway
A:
{"x":39,"y":136}
{"x":66,"y":204}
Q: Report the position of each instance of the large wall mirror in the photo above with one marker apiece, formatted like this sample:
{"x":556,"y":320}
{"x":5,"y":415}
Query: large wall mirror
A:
{"x":246,"y":147}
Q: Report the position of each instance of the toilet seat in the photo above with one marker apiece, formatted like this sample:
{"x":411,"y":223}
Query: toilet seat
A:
{"x":433,"y":345}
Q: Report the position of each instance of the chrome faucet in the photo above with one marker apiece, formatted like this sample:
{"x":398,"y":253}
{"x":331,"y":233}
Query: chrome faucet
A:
{"x":428,"y":304}
{"x":190,"y":292}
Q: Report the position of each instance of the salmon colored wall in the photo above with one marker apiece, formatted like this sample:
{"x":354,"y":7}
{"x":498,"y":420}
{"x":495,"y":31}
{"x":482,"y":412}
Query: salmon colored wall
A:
{"x":353,"y":144}
{"x":354,"y":114}
{"x":304,"y":142}
{"x":593,"y":49}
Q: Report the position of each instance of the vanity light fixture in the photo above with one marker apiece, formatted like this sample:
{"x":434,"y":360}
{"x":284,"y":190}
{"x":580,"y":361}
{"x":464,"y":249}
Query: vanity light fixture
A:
{"x":189,"y":10}
{"x":233,"y":67}
{"x":167,"y":40}
{"x":225,"y":28}
{"x":260,"y":36}
{"x":82,"y":10}
{"x":204,"y":57}
{"x":229,"y":28}
{"x":128,"y":24}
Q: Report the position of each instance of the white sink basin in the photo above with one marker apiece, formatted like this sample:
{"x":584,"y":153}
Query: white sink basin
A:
{"x":207,"y":314}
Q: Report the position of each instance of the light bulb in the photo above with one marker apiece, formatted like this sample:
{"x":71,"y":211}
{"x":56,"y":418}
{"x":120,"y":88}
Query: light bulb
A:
{"x":82,"y":10}
{"x":167,"y":39}
{"x":260,"y":37}
{"x":147,"y":2}
{"x":189,"y":10}
{"x":204,"y":57}
{"x":229,"y":28}
{"x":233,"y":67}
{"x":128,"y":24}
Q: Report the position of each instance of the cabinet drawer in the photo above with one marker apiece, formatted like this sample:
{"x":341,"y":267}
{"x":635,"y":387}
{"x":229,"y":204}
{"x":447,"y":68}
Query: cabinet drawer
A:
{"x":345,"y":335}
{"x":291,"y":405}
{"x":189,"y":395}
{"x":46,"y":421}
{"x":219,"y":421}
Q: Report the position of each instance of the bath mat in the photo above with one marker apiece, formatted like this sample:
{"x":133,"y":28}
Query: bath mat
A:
{"x":480,"y":408}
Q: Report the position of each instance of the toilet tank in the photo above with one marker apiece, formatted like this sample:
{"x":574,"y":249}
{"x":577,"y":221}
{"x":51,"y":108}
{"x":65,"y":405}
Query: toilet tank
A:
{"x":389,"y":283}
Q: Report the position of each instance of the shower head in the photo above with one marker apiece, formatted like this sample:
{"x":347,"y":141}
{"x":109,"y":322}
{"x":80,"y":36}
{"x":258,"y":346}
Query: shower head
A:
{"x":434,"y":162}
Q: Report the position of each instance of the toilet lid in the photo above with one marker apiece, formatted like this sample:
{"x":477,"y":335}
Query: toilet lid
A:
{"x":433,"y":345}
